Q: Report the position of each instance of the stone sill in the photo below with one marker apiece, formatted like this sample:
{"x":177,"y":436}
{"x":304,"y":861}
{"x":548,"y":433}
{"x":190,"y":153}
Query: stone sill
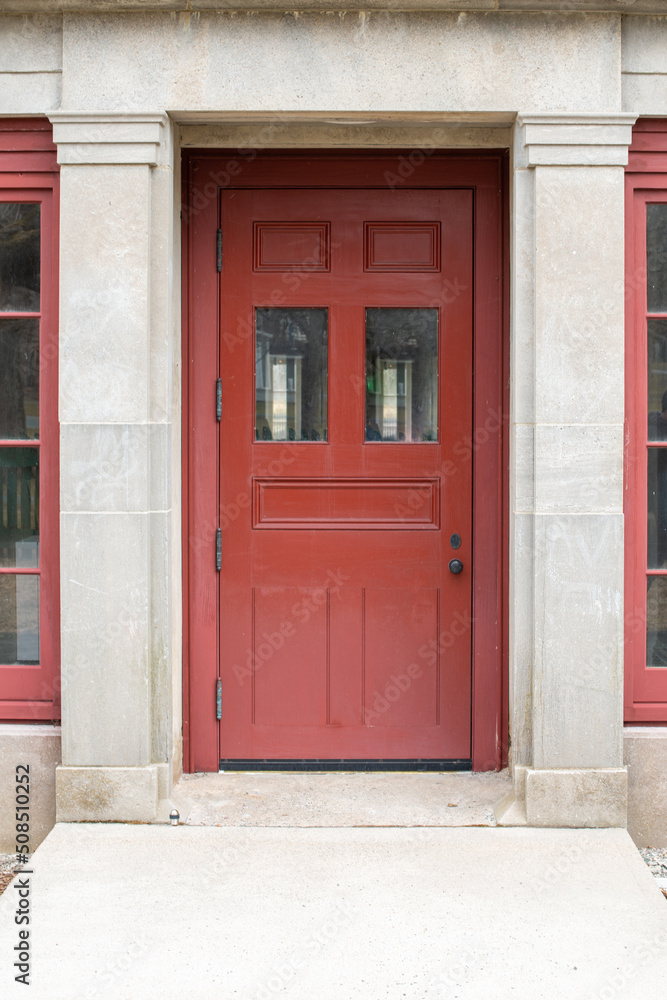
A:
{"x":202,"y":6}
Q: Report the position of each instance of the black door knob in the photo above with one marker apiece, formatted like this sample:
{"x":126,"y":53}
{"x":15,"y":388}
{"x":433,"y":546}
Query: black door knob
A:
{"x":455,"y":566}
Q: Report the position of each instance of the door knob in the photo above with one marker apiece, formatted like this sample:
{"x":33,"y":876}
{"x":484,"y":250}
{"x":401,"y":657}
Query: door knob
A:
{"x":455,"y":566}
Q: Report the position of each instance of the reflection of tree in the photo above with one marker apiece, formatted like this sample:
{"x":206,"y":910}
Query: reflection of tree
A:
{"x":19,"y":257}
{"x":19,"y":374}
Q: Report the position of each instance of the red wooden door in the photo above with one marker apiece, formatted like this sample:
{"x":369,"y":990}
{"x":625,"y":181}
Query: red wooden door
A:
{"x":346,"y":368}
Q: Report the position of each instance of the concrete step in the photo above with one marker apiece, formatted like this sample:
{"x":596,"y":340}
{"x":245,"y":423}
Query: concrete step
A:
{"x":309,"y":799}
{"x":256,"y":913}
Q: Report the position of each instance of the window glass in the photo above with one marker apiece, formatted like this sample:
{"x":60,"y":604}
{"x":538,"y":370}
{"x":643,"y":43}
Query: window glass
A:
{"x":19,"y":378}
{"x":19,"y":507}
{"x":19,"y":257}
{"x":401,"y":375}
{"x":656,"y":622}
{"x":291,"y":374}
{"x":19,"y":619}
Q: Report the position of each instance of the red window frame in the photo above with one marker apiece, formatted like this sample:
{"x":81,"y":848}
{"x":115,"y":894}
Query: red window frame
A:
{"x":29,"y":172}
{"x":645,"y":182}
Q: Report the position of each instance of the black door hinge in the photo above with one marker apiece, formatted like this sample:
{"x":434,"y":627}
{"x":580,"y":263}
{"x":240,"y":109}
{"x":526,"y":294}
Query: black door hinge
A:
{"x":218,"y":699}
{"x":218,"y":249}
{"x":218,"y":398}
{"x":218,"y":549}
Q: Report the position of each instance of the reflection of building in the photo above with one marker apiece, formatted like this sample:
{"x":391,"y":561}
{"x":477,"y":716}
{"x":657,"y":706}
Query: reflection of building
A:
{"x":390,"y":403}
{"x":277,"y":392}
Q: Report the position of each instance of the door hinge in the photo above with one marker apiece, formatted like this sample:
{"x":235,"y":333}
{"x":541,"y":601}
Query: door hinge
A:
{"x":218,"y":549}
{"x":218,"y":699}
{"x":218,"y":398}
{"x":218,"y":249}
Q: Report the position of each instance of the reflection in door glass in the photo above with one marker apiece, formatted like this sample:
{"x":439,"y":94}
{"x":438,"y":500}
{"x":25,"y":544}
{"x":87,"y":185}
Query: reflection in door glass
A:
{"x":402,"y":375}
{"x":291,"y":374}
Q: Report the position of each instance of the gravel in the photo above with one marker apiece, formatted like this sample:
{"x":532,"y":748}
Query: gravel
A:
{"x":9,"y":867}
{"x":656,"y":859}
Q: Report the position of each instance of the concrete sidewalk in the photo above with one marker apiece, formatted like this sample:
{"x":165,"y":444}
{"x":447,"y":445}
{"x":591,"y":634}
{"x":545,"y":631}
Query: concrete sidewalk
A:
{"x":134,"y":912}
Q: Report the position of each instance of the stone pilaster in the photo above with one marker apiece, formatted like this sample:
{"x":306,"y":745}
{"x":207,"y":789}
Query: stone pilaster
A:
{"x":119,"y":444}
{"x":566,"y":571}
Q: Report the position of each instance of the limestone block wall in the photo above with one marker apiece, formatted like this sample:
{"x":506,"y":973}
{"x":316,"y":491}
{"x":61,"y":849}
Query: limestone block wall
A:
{"x":31,"y":59}
{"x":644,"y":66}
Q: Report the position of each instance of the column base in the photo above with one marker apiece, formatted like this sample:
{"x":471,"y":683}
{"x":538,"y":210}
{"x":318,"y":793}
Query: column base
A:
{"x":113,"y":794}
{"x":577,"y":797}
{"x":566,"y":797}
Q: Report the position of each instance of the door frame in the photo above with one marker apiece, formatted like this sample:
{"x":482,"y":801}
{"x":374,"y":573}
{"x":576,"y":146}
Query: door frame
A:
{"x":204,"y":173}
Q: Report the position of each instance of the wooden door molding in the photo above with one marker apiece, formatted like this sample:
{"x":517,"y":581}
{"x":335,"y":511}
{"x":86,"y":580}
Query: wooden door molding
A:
{"x":205,"y":174}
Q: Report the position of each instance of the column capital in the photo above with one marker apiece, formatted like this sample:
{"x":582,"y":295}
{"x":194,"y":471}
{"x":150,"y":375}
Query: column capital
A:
{"x":572,"y":140}
{"x":85,"y":137}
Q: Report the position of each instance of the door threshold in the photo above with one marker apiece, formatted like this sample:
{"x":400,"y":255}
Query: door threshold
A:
{"x":428,"y":764}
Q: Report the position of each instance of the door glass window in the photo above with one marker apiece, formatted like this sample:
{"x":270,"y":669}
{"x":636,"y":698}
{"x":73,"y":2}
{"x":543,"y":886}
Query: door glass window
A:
{"x":401,"y":375}
{"x":291,"y":374}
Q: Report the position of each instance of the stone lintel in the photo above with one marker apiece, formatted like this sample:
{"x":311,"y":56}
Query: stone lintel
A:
{"x":189,"y":7}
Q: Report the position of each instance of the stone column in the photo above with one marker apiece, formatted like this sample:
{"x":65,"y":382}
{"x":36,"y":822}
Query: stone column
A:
{"x":119,"y":445}
{"x":566,"y":493}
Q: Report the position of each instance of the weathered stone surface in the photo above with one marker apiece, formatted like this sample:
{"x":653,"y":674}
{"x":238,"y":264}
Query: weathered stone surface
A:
{"x":576,"y":797}
{"x":106,"y":794}
{"x":645,"y":756}
{"x":282,"y":62}
{"x":39,"y":747}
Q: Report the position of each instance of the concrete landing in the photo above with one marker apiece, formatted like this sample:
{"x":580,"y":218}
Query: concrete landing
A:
{"x":292,"y":799}
{"x":134,"y":912}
